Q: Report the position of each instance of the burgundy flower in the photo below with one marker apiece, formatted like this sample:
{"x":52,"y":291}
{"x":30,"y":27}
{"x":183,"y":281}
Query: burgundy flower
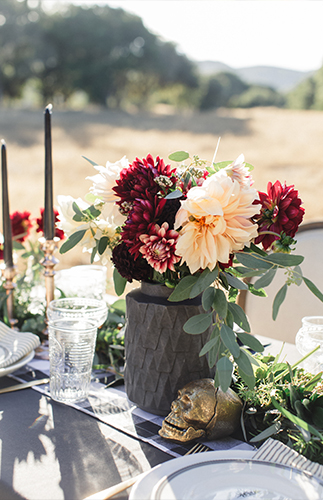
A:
{"x":142,"y":217}
{"x":21,"y":225}
{"x":1,"y":251}
{"x":127,"y":266}
{"x":281,"y":212}
{"x":159,"y":247}
{"x":143,"y":177}
{"x":40,"y":223}
{"x":169,"y":212}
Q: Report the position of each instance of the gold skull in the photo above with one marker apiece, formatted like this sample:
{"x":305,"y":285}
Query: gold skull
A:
{"x":202,"y":411}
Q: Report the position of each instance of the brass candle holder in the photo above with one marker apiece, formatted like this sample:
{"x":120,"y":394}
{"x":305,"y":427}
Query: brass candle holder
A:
{"x":49,"y":262}
{"x":9,"y":273}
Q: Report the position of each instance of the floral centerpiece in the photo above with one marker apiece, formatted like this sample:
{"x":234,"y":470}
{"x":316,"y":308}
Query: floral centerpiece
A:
{"x":196,"y":228}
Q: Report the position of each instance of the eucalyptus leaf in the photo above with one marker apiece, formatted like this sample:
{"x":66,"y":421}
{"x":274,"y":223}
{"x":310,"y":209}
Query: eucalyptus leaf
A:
{"x":179,"y":156}
{"x":235,"y":282}
{"x":207,"y":298}
{"x":239,"y":316}
{"x":174,"y":194}
{"x":183,"y":289}
{"x":119,"y":282}
{"x":221,"y":164}
{"x":266,"y":279}
{"x":220,"y":304}
{"x":313,"y":288}
{"x":205,"y":279}
{"x":229,"y":339}
{"x":247,"y":273}
{"x":103,"y":243}
{"x":278,"y":300}
{"x":224,"y":369}
{"x":245,"y":365}
{"x":285,"y":259}
{"x":77,"y":209}
{"x":253,"y":261}
{"x":214,"y":352}
{"x":198,"y":323}
{"x":72,"y":241}
{"x":249,"y":379}
{"x":250,"y":341}
{"x":208,"y":346}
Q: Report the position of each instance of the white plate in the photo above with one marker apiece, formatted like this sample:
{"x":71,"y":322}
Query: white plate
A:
{"x":19,"y":364}
{"x":225,"y":475}
{"x":4,"y":354}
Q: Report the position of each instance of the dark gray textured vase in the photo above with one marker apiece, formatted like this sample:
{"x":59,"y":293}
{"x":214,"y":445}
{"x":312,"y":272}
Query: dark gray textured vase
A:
{"x":160,"y":357}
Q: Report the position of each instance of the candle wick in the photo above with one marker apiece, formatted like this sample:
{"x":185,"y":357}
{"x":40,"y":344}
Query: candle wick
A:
{"x":49,"y":108}
{"x":3,"y":142}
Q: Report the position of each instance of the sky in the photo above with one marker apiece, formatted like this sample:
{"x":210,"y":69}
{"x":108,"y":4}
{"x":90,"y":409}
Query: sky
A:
{"x":239,"y":33}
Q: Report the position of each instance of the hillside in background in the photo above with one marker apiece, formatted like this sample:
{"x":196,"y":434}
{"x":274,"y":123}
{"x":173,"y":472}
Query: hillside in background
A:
{"x":281,"y":79}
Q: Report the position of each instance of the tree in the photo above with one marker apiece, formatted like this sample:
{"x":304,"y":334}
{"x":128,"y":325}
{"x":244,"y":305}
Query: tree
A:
{"x":218,"y":89}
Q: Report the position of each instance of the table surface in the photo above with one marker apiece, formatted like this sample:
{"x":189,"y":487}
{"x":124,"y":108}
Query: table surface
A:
{"x":50,"y":451}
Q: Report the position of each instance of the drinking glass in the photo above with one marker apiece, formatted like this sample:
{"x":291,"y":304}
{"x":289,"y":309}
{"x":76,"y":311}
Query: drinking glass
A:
{"x":78,"y":308}
{"x":309,"y":336}
{"x":71,"y":353}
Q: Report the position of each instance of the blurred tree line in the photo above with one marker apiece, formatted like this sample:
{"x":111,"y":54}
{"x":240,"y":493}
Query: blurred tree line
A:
{"x":107,"y":56}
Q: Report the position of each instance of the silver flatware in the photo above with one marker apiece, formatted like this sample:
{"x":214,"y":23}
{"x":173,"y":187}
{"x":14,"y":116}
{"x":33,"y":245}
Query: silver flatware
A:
{"x":24,"y":385}
{"x":118,"y":488}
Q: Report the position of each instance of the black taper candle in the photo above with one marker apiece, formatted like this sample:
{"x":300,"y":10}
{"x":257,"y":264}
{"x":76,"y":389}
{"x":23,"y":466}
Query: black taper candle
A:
{"x":6,"y":222}
{"x":48,"y":210}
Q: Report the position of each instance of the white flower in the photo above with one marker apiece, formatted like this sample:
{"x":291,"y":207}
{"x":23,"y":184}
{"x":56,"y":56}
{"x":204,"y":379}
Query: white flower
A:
{"x":66,"y":214}
{"x":239,"y":172}
{"x":105,"y":180}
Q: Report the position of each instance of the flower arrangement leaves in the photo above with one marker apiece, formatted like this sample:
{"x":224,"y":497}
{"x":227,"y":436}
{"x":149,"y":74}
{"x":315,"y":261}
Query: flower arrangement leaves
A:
{"x":197,"y":228}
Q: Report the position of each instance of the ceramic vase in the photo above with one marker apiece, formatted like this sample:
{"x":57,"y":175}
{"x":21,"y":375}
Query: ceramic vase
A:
{"x":160,"y":357}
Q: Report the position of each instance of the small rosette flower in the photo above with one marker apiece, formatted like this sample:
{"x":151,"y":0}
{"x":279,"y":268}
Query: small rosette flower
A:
{"x":281,"y":212}
{"x":159,"y":247}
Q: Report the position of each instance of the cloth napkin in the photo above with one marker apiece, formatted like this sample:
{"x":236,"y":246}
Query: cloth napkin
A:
{"x":18,"y":343}
{"x":275,"y":451}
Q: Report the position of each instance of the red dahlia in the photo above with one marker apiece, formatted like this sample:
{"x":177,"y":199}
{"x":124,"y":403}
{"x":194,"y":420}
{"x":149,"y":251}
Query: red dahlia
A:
{"x":21,"y":225}
{"x":281,"y":212}
{"x":142,"y":217}
{"x":127,"y":266}
{"x":40,"y":223}
{"x":159,"y":247}
{"x":140,"y":178}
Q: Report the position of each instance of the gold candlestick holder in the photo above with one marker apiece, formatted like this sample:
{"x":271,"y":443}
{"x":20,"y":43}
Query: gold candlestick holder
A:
{"x":9,"y":285}
{"x":49,"y":262}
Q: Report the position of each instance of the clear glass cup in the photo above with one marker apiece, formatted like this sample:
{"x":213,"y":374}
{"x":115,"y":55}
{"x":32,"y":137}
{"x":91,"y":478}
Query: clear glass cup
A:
{"x":309,"y":336}
{"x":78,"y":308}
{"x":71,"y":353}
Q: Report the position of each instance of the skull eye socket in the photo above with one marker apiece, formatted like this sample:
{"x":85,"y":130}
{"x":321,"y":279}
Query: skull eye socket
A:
{"x":186,"y":400}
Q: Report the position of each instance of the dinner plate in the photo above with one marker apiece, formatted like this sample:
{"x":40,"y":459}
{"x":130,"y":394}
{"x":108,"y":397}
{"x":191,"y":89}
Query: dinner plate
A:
{"x":4,"y":354}
{"x":19,"y":364}
{"x":226,"y":475}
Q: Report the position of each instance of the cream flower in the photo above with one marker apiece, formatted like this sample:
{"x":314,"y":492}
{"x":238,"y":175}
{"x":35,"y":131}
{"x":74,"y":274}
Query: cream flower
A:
{"x":104,"y":181}
{"x":66,"y":214}
{"x":215,"y":221}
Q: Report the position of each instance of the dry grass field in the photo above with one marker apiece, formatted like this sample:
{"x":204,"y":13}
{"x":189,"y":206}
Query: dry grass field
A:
{"x":281,"y":144}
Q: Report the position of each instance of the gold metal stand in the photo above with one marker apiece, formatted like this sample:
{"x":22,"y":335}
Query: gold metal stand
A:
{"x":49,"y":262}
{"x":9,"y":274}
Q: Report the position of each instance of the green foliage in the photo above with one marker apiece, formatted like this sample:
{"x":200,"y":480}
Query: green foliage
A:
{"x":257,"y":95}
{"x":308,"y":94}
{"x":218,"y":89}
{"x":285,"y":403}
{"x":230,"y":337}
